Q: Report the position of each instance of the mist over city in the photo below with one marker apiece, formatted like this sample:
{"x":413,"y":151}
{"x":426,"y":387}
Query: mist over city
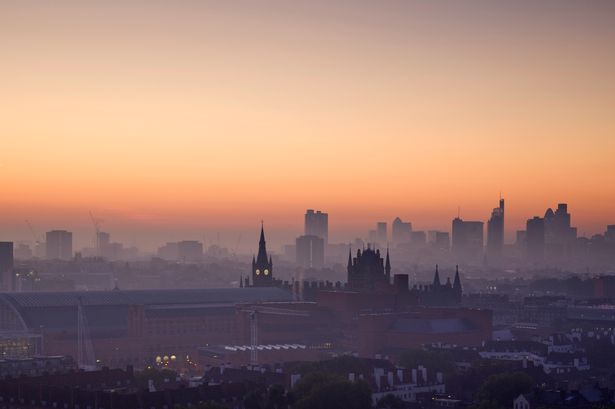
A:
{"x":324,"y":204}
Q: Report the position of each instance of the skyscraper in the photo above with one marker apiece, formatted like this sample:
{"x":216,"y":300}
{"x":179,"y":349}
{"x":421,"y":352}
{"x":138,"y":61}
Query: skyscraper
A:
{"x":495,"y":234}
{"x":262,"y":266}
{"x":535,"y":239}
{"x":310,"y":251}
{"x":317,"y":224}
{"x":560,"y":237}
{"x":402,"y":231}
{"x":6,"y":264}
{"x":467,"y":240}
{"x":59,"y":245}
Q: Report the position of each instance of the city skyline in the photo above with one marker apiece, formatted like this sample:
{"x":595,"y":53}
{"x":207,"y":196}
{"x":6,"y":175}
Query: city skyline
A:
{"x":156,"y":117}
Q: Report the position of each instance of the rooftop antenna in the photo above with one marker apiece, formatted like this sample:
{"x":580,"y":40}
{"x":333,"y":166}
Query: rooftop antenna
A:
{"x":459,"y":212}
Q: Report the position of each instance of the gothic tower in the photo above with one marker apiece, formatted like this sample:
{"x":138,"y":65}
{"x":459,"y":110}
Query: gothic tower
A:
{"x":262,"y":266}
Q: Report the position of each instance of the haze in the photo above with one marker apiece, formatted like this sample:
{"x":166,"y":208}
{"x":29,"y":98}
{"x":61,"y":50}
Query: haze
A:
{"x":182,"y":120}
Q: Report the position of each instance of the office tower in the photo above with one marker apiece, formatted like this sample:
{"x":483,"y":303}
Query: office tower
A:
{"x":317,"y":224}
{"x":59,"y":245}
{"x":262,"y":266}
{"x":103,"y":240}
{"x":381,"y":233}
{"x":6,"y":264}
{"x":190,"y":251}
{"x":535,"y":239}
{"x":401,"y":231}
{"x":495,"y":234}
{"x":467,"y":240}
{"x":310,"y":251}
{"x":560,"y":237}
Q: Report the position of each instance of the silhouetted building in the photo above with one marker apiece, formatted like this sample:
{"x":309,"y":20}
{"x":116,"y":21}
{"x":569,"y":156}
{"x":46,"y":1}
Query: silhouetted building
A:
{"x":467,"y":240}
{"x":59,"y":245}
{"x":262,"y":266}
{"x":310,"y":251}
{"x":169,"y":251}
{"x":495,"y":234}
{"x":438,"y":294}
{"x":535,"y":239}
{"x":317,"y":224}
{"x":103,"y":239}
{"x":6,"y":264}
{"x":560,"y":237}
{"x":368,"y":270}
{"x":190,"y":250}
{"x":609,"y":235}
{"x":401,"y":231}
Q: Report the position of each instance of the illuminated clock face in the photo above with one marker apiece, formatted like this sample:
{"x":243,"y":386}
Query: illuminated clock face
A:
{"x":266,"y":272}
{"x":258,"y":272}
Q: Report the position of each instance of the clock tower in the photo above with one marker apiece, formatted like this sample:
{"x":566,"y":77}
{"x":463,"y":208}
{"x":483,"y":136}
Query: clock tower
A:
{"x":262,"y":266}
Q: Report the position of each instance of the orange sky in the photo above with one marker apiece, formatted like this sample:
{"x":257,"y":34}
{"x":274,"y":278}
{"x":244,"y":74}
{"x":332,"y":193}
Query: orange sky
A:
{"x":186,"y":118}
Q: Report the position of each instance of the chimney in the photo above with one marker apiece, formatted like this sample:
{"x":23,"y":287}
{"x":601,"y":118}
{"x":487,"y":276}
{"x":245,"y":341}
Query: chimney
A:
{"x":440,"y":377}
{"x":351,"y":377}
{"x":414,"y":379}
{"x":424,"y":371}
{"x":400,"y":375}
{"x":390,"y":378}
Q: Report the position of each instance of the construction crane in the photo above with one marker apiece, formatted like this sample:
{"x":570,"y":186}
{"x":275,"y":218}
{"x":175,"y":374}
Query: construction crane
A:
{"x":96,"y":222}
{"x":36,"y":240}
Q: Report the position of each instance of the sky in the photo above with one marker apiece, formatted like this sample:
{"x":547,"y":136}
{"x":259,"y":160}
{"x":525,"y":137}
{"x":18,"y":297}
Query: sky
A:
{"x":192,"y":119}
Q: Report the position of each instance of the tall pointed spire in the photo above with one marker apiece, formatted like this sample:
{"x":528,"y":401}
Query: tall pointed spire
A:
{"x":387,"y":264}
{"x":262,"y":259}
{"x":436,"y":278}
{"x":262,"y":239}
{"x":457,"y":281}
{"x":349,"y":267}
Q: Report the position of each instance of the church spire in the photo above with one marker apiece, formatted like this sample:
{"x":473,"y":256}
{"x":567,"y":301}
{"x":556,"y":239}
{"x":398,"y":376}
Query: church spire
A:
{"x":349,"y":267}
{"x":387,"y":265}
{"x":262,"y":259}
{"x":436,"y":278}
{"x":261,"y":242}
{"x":457,"y":281}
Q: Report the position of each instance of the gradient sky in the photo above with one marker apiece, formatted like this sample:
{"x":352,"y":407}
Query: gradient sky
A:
{"x":181,"y":119}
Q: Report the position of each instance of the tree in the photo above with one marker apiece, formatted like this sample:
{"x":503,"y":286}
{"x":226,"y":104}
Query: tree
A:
{"x":499,"y":391}
{"x":320,"y":390}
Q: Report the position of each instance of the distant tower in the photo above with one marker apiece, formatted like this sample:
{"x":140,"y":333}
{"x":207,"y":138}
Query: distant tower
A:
{"x":495,"y":234}
{"x":262,"y":266}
